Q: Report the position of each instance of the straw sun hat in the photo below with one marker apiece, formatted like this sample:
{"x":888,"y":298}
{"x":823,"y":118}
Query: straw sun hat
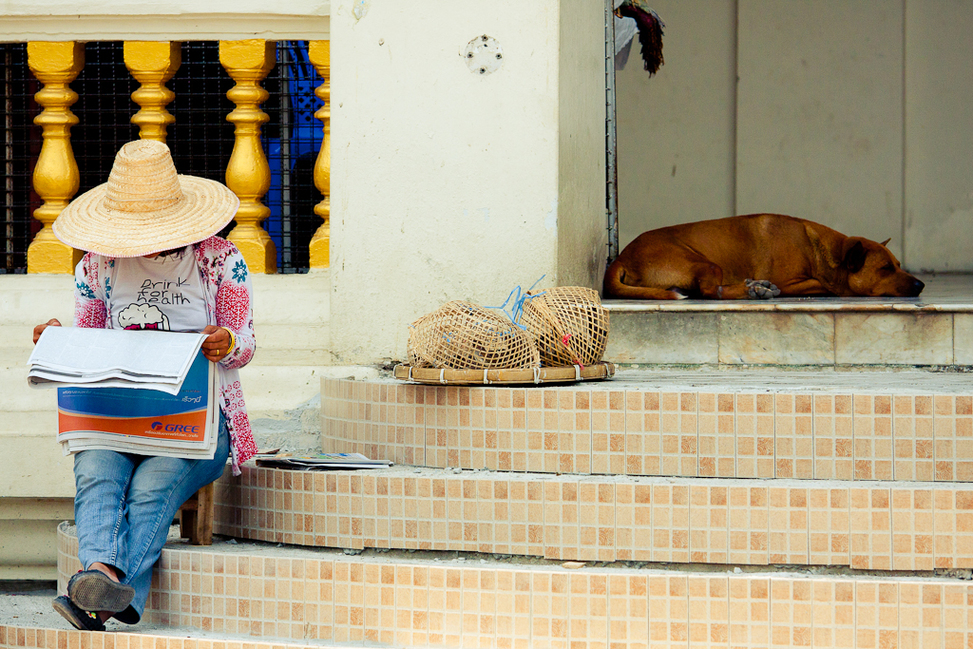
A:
{"x":145,"y":207}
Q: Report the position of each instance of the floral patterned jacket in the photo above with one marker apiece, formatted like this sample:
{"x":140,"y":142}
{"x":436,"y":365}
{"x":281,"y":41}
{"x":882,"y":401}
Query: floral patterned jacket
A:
{"x":226,"y":286}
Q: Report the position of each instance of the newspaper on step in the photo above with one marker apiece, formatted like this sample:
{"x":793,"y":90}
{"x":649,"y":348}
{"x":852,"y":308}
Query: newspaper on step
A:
{"x":320,"y":461}
{"x":142,"y":392}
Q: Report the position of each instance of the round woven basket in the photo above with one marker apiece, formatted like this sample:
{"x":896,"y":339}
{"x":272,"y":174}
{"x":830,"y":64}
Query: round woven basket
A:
{"x":569,"y":324}
{"x":463,"y":336}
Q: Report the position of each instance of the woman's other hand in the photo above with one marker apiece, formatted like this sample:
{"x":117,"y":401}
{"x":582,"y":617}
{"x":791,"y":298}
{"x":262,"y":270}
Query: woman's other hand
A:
{"x":39,"y":329}
{"x":217,"y":343}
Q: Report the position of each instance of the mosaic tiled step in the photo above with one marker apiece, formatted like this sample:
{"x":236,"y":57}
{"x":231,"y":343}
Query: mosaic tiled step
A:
{"x":876,"y":525}
{"x":314,"y":595}
{"x":39,"y":637}
{"x":735,"y":424}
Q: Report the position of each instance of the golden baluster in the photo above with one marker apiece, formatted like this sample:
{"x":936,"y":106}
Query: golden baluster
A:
{"x":56,"y":178}
{"x":320,"y":247}
{"x":152,"y":63}
{"x":248,"y":174}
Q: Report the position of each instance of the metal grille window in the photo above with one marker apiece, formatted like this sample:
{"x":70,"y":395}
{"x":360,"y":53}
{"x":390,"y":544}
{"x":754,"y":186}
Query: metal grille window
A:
{"x":21,"y":145}
{"x":201,"y":140}
{"x":292,"y":139}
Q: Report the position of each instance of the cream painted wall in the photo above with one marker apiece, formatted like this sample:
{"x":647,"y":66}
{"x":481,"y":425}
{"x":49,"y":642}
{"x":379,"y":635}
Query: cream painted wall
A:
{"x":445,"y":181}
{"x":675,"y":129}
{"x":582,"y":221}
{"x":939,"y":134}
{"x":855,"y":115}
{"x":819,"y":113}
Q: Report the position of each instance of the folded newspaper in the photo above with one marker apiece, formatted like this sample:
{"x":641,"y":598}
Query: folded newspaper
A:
{"x":321,"y":461}
{"x":149,"y":393}
{"x":112,"y":357}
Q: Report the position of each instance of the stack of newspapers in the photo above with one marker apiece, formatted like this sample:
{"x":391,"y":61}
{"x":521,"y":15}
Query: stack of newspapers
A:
{"x":143,"y":392}
{"x":319,"y":461}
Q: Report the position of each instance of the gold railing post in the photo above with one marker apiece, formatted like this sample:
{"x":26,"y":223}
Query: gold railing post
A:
{"x":56,"y":178}
{"x":152,"y":63}
{"x":320,"y":247}
{"x":248,"y":174}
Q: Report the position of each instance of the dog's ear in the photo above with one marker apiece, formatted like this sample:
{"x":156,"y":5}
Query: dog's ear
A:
{"x":886,"y":242}
{"x":854,"y":257}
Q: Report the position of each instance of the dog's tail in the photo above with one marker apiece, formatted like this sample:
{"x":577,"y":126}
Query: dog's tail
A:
{"x":615,"y":287}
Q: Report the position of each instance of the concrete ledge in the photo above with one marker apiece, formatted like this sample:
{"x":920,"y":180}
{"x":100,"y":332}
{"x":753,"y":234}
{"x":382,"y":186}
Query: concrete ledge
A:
{"x":790,"y":338}
{"x":34,"y":466}
{"x":27,"y":528}
{"x":932,"y":330}
{"x":211,"y":25}
{"x":944,"y":293}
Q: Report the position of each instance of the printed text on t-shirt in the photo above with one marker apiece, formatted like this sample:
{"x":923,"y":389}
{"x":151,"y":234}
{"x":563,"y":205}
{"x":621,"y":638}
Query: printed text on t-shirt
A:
{"x":163,"y":291}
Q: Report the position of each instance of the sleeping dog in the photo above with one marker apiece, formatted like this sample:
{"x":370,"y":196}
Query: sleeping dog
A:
{"x":758,"y":256}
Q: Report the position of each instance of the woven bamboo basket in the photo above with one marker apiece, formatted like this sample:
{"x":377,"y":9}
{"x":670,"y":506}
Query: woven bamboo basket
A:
{"x":464,"y":336}
{"x":569,"y":324}
{"x":533,"y":376}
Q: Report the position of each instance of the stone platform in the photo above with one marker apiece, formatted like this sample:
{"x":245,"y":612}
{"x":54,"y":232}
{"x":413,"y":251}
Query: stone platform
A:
{"x":934,"y":329}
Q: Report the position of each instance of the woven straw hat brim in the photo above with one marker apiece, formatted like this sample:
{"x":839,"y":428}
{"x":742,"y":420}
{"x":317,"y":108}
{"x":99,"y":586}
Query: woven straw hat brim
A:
{"x":87,"y":223}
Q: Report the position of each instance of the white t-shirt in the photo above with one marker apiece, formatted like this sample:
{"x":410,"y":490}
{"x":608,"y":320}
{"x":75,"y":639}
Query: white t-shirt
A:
{"x":161,"y":293}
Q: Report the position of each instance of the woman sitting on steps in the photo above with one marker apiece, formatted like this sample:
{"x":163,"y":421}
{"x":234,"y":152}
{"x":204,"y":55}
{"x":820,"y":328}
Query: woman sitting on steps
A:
{"x":148,"y":226}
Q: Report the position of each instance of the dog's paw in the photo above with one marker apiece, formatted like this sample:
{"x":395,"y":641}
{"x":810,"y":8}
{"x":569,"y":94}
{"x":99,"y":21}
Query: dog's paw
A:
{"x":680,"y":294}
{"x":757,"y":282}
{"x":761,"y":289}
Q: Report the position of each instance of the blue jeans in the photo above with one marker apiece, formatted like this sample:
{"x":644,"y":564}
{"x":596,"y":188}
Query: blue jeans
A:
{"x":125,"y":504}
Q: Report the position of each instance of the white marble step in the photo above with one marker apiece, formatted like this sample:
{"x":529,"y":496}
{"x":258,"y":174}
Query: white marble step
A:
{"x":935,"y":329}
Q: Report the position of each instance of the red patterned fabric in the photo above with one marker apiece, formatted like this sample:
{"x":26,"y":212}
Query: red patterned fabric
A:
{"x":229,"y":303}
{"x":88,"y":312}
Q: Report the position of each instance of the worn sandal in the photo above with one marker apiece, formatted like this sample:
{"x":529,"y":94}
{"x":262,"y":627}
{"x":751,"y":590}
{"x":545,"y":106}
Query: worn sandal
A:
{"x":79,"y":619}
{"x":93,"y":590}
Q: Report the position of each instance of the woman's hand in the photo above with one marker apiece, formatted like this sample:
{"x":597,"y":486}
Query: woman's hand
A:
{"x":39,"y":329}
{"x":217,"y":344}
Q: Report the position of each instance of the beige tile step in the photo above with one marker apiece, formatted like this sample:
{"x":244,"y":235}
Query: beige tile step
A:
{"x":451,"y":601}
{"x":869,"y":525}
{"x":56,"y":633}
{"x":854,"y":425}
{"x":931,"y":330}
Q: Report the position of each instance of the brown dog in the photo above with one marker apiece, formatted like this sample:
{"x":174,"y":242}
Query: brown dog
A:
{"x":755,"y":256}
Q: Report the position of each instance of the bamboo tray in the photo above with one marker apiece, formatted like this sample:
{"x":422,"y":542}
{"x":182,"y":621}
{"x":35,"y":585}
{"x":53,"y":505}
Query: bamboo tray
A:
{"x":569,"y":374}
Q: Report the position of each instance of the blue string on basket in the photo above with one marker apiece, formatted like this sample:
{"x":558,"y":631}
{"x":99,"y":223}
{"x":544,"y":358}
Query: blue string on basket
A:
{"x":516,"y":308}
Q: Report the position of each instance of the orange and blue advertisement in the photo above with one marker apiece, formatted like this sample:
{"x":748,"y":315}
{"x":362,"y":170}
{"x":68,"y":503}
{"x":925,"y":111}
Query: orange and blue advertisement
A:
{"x":140,"y":415}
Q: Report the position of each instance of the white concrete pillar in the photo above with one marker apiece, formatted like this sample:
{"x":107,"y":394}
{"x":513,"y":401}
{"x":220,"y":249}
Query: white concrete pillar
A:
{"x":449,"y":182}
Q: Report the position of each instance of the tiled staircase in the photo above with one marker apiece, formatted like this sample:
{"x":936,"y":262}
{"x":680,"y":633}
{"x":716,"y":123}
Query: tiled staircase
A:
{"x":684,"y":507}
{"x":660,"y":509}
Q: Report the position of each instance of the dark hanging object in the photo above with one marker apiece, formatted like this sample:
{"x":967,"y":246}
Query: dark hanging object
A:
{"x":650,"y":28}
